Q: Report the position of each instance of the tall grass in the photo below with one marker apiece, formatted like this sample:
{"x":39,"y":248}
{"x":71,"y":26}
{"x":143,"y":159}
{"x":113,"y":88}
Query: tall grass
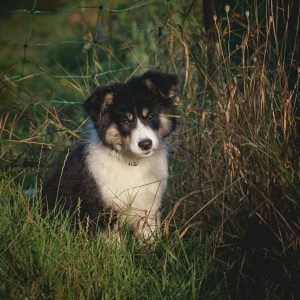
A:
{"x":239,"y":151}
{"x":245,"y":117}
{"x":231,"y":215}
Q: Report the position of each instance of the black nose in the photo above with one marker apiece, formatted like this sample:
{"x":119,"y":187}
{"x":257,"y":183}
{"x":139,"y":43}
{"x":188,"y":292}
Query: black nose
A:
{"x":145,"y":144}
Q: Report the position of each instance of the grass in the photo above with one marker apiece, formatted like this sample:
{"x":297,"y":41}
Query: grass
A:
{"x":231,"y":211}
{"x":42,"y":258}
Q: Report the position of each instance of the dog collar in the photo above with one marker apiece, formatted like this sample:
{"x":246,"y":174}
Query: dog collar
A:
{"x":133,"y":163}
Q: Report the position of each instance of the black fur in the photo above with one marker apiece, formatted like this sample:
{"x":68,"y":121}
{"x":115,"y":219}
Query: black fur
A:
{"x":70,"y":183}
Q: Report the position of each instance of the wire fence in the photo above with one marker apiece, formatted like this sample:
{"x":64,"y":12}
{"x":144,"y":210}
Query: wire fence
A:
{"x":101,"y":35}
{"x":51,"y":58}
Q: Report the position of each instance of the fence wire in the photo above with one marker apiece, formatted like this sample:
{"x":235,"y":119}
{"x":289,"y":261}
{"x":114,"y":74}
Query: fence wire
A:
{"x":95,"y":41}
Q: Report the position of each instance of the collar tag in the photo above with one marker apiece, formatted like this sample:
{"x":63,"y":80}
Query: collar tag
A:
{"x":133,"y":163}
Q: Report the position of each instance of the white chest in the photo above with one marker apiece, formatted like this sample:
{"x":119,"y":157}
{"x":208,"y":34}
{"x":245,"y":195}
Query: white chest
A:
{"x":122,"y":186}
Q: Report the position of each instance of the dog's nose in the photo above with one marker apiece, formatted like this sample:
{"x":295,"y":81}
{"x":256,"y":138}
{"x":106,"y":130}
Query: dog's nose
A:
{"x":145,"y":144}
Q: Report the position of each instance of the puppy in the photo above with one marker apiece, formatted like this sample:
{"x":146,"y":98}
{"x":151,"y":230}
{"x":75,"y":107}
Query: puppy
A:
{"x":120,"y":167}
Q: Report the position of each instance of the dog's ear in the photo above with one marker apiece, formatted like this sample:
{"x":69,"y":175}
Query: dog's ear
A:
{"x":164,"y":85}
{"x":98,"y":101}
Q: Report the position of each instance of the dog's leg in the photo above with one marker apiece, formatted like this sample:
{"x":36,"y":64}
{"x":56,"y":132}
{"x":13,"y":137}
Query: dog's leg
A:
{"x":112,"y":233}
{"x":146,"y":226}
{"x":112,"y":236}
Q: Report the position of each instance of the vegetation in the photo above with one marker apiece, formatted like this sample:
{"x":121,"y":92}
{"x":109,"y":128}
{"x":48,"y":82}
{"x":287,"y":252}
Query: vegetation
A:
{"x":231,"y":215}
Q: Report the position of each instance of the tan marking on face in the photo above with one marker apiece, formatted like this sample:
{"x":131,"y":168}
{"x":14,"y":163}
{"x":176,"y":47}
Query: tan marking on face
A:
{"x":145,"y":112}
{"x":113,"y":137}
{"x":177,"y":100}
{"x":109,"y":97}
{"x":126,"y":140}
{"x":150,"y":85}
{"x":129,"y":116}
{"x":165,"y":125}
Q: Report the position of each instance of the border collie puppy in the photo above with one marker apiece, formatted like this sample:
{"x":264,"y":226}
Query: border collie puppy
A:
{"x":120,"y":167}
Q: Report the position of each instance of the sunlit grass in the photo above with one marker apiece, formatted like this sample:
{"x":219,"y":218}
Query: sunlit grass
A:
{"x":46,"y":256}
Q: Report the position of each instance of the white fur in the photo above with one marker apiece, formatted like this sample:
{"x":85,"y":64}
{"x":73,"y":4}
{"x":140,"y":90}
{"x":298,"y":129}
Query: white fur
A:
{"x":135,"y":191}
{"x":143,"y":132}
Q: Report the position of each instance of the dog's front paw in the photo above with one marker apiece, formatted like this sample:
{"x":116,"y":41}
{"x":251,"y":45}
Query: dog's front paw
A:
{"x":147,"y":230}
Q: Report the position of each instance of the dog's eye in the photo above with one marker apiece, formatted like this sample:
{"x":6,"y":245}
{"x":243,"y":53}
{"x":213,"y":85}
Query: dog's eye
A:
{"x":150,"y":116}
{"x":125,"y":121}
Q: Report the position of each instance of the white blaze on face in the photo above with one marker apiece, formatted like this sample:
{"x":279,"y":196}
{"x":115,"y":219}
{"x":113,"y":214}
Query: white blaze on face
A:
{"x":142,"y":132}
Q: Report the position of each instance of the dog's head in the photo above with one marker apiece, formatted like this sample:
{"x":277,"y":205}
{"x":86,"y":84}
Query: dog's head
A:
{"x":134,"y":117}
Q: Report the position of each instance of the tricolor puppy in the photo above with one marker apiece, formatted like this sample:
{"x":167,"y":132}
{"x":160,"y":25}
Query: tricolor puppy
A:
{"x":120,"y":166}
